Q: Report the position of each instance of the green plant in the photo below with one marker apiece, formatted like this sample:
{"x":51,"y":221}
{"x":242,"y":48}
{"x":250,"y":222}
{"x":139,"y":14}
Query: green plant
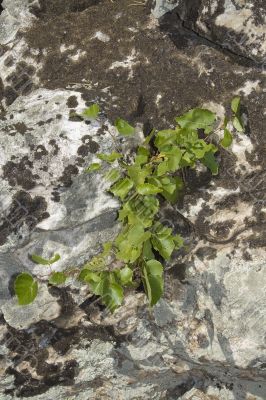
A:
{"x":137,"y":253}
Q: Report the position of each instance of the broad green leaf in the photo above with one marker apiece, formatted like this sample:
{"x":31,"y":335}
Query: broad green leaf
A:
{"x":124,"y":128}
{"x":152,"y":280}
{"x":109,"y":157}
{"x":172,"y":190}
{"x":140,"y":210}
{"x":92,"y":112}
{"x":210,"y":162}
{"x":39,"y":260}
{"x":238,"y":125}
{"x":93,"y":167}
{"x":142,"y":156}
{"x":164,"y":245}
{"x":227,"y":139}
{"x":125,"y":275}
{"x":122,"y":188}
{"x":235,"y":104}
{"x":197,"y":119}
{"x":26,"y":289}
{"x":147,"y":252}
{"x":163,"y":168}
{"x":165,"y":137}
{"x":57,"y":278}
{"x":138,"y":174}
{"x":113,"y":175}
{"x":112,"y":295}
{"x":95,"y":282}
{"x":147,"y":188}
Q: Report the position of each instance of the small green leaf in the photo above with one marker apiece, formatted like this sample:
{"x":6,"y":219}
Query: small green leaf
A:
{"x":173,"y":189}
{"x":122,"y":187}
{"x":142,"y":156}
{"x":165,"y":138}
{"x":152,"y":280}
{"x":26,"y":289}
{"x":57,"y":278}
{"x":227,"y":139}
{"x":113,"y":175}
{"x":210,"y":162}
{"x":93,"y":167}
{"x":109,"y":157}
{"x":125,"y":275}
{"x":164,"y":244}
{"x":197,"y":119}
{"x":235,"y":104}
{"x":238,"y":125}
{"x":124,"y":128}
{"x":137,"y":174}
{"x":39,"y":260}
{"x":91,"y":112}
{"x":147,"y":188}
{"x":112,"y":295}
{"x":179,"y":241}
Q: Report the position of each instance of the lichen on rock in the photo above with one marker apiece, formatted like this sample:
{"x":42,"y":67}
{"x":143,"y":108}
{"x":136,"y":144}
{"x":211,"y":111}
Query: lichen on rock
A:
{"x":205,"y":338}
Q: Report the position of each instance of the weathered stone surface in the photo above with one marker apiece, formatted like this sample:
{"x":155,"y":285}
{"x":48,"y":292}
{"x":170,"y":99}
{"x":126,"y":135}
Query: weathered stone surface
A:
{"x":206,"y":338}
{"x":237,"y":25}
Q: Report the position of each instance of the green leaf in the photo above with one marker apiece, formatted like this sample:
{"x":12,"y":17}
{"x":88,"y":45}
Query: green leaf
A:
{"x":112,"y":294}
{"x":163,"y":242}
{"x":113,"y":175}
{"x":210,"y":162}
{"x":238,"y":124}
{"x":92,"y":112}
{"x":124,"y":128}
{"x":163,"y":168}
{"x":26,"y":288}
{"x":152,"y":280}
{"x":57,"y":278}
{"x":179,"y":241}
{"x":138,"y":174}
{"x":93,"y":167}
{"x":165,"y":137}
{"x":122,"y":188}
{"x":197,"y":119}
{"x":147,"y":188}
{"x":147,"y":252}
{"x":142,"y":156}
{"x":125,"y":275}
{"x":172,"y":190}
{"x":39,"y":260}
{"x":227,"y":139}
{"x":140,"y":210}
{"x":109,"y":157}
{"x":235,"y":104}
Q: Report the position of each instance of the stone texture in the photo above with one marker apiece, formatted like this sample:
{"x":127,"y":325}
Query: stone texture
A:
{"x":206,"y":337}
{"x":237,"y":25}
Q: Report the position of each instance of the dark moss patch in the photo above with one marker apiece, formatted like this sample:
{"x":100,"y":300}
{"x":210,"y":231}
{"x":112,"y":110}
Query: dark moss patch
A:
{"x":20,"y":173}
{"x":23,"y":210}
{"x":40,"y":152}
{"x":72,"y":102}
{"x":69,"y":172}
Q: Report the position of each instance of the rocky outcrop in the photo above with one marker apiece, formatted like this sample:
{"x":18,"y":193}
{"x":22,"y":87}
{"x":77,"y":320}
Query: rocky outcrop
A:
{"x":239,"y":26}
{"x":205,"y":339}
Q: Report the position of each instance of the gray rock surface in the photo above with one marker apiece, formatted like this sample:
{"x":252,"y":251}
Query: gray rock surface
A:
{"x":237,"y":25}
{"x":206,"y":337}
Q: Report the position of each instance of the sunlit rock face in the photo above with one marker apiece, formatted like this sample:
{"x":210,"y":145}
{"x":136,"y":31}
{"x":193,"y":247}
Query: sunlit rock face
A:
{"x":206,"y":338}
{"x":237,"y":25}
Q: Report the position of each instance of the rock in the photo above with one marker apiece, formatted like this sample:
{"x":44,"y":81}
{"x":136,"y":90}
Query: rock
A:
{"x":44,"y":307}
{"x":235,"y":25}
{"x":205,"y":339}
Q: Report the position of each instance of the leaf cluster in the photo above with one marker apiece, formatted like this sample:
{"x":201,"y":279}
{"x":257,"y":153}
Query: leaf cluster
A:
{"x":155,"y":175}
